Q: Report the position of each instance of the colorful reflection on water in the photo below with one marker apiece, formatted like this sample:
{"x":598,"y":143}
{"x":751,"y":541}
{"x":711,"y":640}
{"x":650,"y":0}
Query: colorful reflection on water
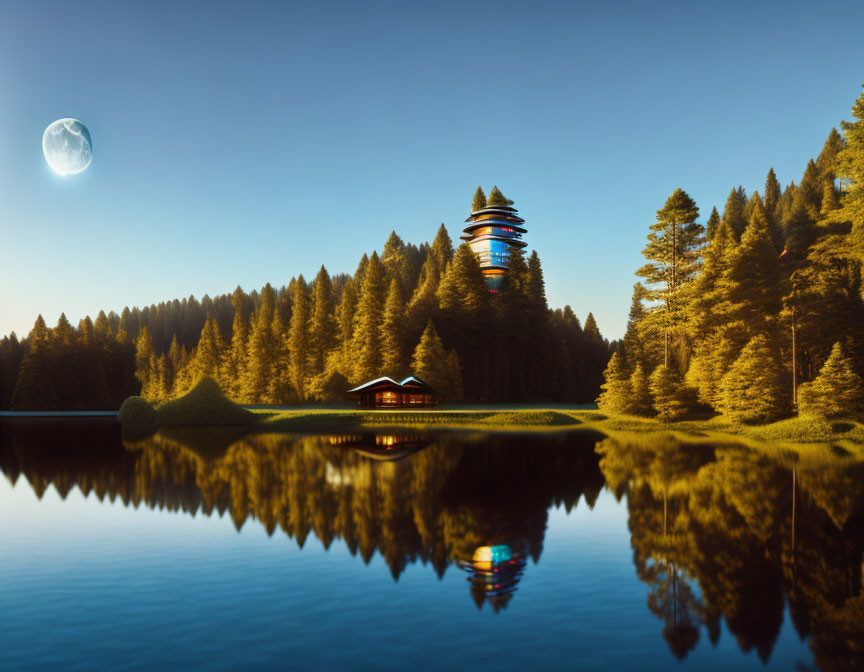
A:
{"x":507,"y":550}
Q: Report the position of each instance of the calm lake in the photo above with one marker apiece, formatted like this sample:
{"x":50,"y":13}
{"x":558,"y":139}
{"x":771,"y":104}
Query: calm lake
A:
{"x":400,"y":550}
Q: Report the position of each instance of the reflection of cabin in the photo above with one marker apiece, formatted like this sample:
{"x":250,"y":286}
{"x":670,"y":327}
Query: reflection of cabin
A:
{"x":387,"y":447}
{"x":387,"y":393}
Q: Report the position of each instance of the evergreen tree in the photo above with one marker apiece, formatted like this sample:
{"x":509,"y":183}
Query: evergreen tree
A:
{"x":165,"y":377}
{"x":360,"y":273}
{"x":145,"y":365}
{"x":11,"y":355}
{"x":262,"y":350}
{"x":633,"y":346}
{"x":826,"y":163}
{"x":323,"y":327}
{"x":800,"y":231}
{"x":837,"y":392}
{"x":34,"y":390}
{"x":640,"y":402}
{"x":280,"y":385}
{"x":429,"y":362}
{"x":208,"y":354}
{"x":178,"y":359}
{"x":733,"y":213}
{"x":712,"y":223}
{"x":347,"y":306}
{"x":673,"y":400}
{"x":394,"y":257}
{"x":465,"y":315}
{"x":673,"y":254}
{"x":773,"y":196}
{"x":809,"y":192}
{"x":442,"y":247}
{"x":617,"y":392}
{"x":393,"y":332}
{"x":705,"y":302}
{"x":497,"y":199}
{"x":752,"y":281}
{"x":830,"y":198}
{"x":712,"y":358}
{"x":850,"y":168}
{"x":367,"y":323}
{"x":512,"y":338}
{"x":479,"y":201}
{"x":455,"y":390}
{"x":298,"y":341}
{"x":235,"y":359}
{"x":102,"y":329}
{"x":539,"y":329}
{"x":423,"y":305}
{"x":753,"y":390}
{"x":66,"y":365}
{"x":591,"y":330}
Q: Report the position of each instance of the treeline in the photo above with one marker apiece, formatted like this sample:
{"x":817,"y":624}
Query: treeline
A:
{"x":734,"y":316}
{"x":422,"y":310}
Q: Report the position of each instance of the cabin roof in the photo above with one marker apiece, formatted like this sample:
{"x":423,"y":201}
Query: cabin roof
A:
{"x":411,"y":382}
{"x":382,"y":379}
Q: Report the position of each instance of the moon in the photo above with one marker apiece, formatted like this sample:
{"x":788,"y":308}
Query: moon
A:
{"x":67,"y":146}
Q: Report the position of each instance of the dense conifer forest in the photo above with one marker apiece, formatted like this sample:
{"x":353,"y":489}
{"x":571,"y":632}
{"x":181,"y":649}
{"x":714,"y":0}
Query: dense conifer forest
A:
{"x":423,"y":310}
{"x":758,"y":311}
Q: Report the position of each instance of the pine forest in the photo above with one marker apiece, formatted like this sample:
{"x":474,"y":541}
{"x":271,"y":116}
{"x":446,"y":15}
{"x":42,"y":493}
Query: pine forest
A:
{"x":759,"y":312}
{"x":423,"y":310}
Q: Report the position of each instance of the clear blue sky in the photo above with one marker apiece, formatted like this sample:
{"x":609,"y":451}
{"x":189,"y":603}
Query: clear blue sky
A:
{"x":245,"y":143}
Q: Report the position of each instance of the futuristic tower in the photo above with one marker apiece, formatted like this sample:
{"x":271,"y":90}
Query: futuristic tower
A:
{"x":492,"y":232}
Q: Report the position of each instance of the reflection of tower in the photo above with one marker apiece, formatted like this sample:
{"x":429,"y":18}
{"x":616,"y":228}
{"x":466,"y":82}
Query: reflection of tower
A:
{"x":493,"y":573}
{"x":492,"y":232}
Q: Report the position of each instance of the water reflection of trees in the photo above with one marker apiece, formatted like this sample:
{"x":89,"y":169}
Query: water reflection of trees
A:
{"x":435,"y":506}
{"x":719,"y":533}
{"x":727,"y":533}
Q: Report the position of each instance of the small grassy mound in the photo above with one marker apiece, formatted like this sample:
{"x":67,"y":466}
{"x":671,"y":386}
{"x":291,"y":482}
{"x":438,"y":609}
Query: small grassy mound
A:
{"x":805,"y":429}
{"x":204,"y":404}
{"x":530,"y":418}
{"x":136,"y":409}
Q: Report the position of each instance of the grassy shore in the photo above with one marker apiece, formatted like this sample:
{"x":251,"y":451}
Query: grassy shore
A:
{"x":820,"y":434}
{"x":206,"y":406}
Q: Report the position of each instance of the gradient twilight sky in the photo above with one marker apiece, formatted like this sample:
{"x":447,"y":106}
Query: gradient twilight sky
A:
{"x":243,"y":143}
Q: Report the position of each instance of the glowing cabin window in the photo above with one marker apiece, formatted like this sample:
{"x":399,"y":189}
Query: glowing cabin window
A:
{"x":386,"y":398}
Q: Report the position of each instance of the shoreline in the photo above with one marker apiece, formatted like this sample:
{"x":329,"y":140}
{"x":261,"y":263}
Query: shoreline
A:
{"x":819,"y":434}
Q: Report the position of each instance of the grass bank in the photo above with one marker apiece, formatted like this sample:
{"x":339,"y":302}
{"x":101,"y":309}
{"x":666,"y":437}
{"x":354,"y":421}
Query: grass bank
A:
{"x":807,"y":430}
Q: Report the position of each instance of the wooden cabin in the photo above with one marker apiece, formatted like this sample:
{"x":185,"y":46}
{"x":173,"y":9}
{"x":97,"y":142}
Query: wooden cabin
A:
{"x":387,"y":393}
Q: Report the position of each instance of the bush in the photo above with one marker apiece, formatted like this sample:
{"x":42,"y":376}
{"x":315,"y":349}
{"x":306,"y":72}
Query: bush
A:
{"x":136,"y":409}
{"x":204,"y":404}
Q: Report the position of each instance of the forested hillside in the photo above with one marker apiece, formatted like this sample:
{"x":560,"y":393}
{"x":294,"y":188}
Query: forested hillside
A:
{"x":760,"y":309}
{"x":412,"y":309}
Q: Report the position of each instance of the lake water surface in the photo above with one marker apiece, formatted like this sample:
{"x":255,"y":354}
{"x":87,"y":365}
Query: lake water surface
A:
{"x":401,"y":550}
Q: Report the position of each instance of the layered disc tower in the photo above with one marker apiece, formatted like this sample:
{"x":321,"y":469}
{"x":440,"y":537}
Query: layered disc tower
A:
{"x":492,"y":232}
